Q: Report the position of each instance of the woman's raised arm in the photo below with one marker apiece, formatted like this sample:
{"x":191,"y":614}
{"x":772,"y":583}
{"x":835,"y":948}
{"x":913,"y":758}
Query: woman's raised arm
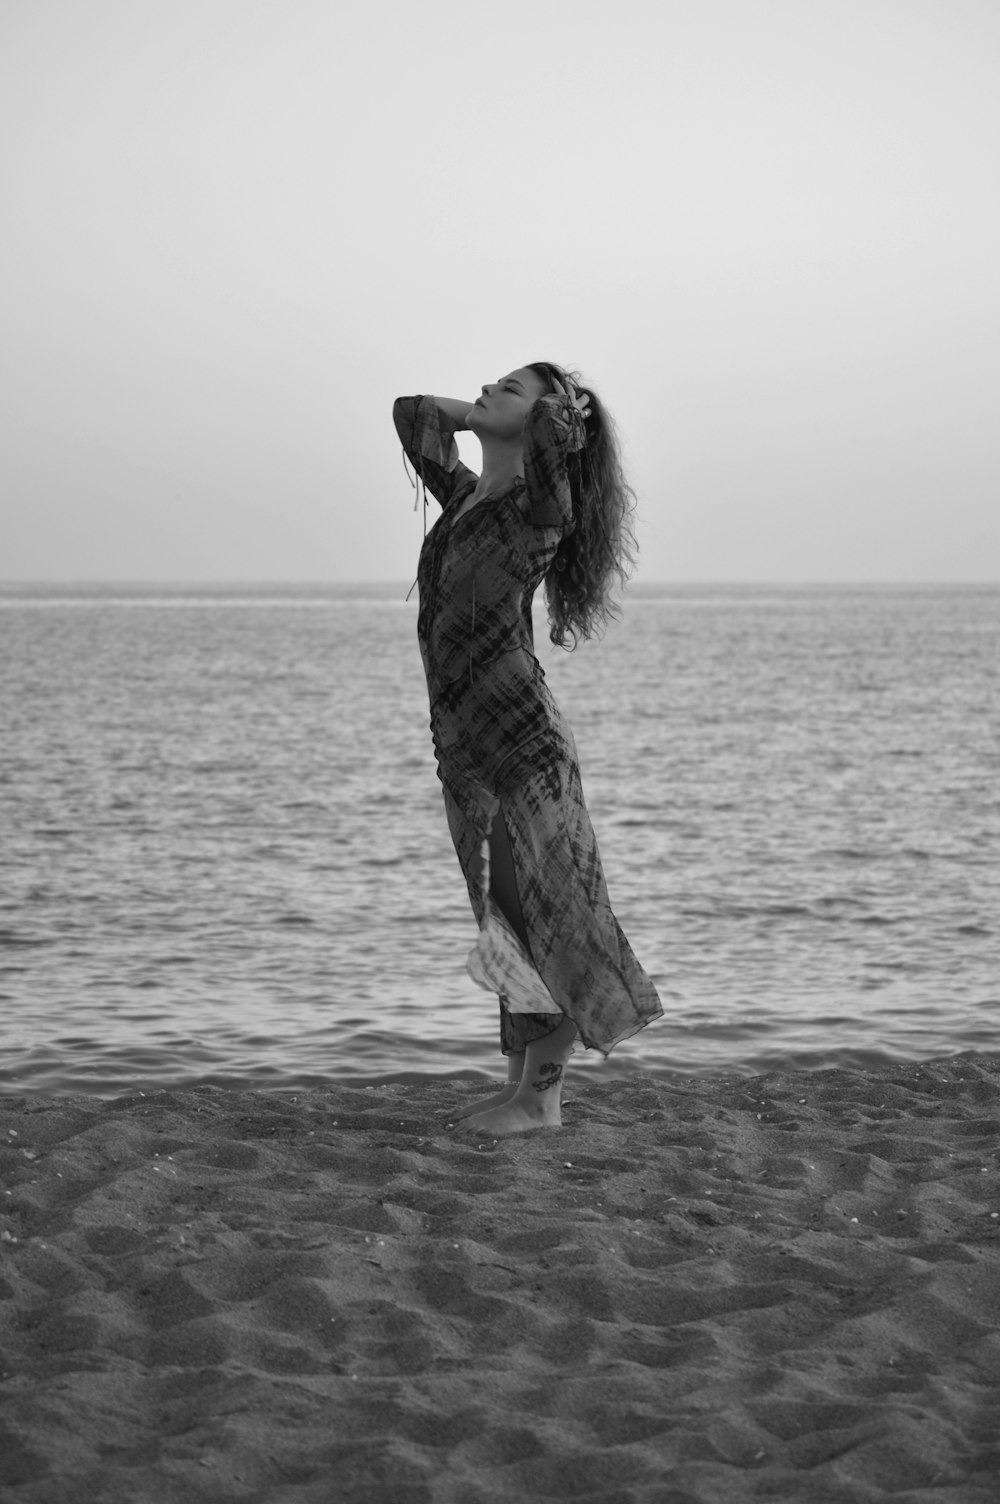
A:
{"x":554,"y":430}
{"x":427,"y":428}
{"x":455,"y":409}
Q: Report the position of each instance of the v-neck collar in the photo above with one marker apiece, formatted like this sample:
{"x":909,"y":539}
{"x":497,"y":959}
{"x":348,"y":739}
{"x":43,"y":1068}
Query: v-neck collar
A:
{"x":463,"y":511}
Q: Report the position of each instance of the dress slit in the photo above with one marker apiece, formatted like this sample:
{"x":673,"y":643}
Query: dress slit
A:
{"x":517,"y":1030}
{"x":502,"y":884}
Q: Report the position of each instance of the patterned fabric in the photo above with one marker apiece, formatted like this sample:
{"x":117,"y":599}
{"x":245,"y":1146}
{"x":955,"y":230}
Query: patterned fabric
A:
{"x":501,"y":741}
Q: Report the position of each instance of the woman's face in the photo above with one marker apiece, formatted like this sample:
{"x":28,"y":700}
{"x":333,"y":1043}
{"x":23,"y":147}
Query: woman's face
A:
{"x":500,"y":411}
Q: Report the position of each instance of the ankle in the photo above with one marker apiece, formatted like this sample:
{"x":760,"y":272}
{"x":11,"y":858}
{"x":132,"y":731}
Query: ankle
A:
{"x":542,"y":1106}
{"x":544,"y":1082}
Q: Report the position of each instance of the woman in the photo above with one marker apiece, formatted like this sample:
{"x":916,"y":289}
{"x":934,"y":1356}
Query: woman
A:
{"x":551,"y":504}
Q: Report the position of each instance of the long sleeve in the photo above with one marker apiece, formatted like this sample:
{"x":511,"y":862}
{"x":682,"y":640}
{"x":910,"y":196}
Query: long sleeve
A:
{"x":428,"y":438}
{"x":553,"y":432}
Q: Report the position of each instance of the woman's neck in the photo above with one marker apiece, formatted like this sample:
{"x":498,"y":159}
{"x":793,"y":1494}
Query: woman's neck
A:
{"x":502,"y":464}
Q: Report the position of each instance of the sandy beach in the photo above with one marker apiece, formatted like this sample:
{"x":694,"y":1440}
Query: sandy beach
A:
{"x":713,"y":1289}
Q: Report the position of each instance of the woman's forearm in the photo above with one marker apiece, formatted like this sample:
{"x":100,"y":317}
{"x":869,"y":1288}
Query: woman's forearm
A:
{"x":454,"y":409}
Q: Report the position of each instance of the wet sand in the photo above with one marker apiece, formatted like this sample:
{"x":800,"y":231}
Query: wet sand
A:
{"x":715,"y":1289}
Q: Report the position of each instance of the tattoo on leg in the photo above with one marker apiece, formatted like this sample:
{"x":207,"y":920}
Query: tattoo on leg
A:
{"x":551,"y":1074}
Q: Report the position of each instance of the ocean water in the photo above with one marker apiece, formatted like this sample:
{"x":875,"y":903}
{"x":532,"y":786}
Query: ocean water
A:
{"x":223,"y":856}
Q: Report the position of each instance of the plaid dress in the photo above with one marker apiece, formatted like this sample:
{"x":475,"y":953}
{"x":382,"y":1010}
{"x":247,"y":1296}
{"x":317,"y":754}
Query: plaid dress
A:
{"x":502,"y":743}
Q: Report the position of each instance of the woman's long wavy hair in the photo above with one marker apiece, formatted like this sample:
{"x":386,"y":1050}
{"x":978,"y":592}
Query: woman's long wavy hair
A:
{"x":598,"y":554}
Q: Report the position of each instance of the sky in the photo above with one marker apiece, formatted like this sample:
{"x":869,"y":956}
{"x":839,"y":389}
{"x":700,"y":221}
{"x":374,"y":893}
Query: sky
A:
{"x":767,"y":231}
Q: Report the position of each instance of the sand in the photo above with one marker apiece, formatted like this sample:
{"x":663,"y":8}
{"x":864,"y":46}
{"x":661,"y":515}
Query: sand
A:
{"x":723,"y":1289}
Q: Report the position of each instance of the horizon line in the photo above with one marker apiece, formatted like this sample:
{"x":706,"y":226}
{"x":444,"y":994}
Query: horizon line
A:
{"x":215,"y":582}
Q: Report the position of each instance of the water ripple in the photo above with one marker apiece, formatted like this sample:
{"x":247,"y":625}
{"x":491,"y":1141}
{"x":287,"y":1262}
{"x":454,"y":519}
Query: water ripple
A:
{"x":223,"y":855}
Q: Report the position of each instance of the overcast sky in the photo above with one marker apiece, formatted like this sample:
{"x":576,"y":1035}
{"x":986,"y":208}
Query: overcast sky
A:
{"x":233,"y":230}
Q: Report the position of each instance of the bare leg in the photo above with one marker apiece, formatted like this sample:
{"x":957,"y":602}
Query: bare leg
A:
{"x":503,"y":891}
{"x":537,"y":1098}
{"x":503,"y":879}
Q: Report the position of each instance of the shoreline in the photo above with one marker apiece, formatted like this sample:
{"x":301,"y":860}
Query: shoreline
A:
{"x":613,"y":1071}
{"x":717,"y":1288}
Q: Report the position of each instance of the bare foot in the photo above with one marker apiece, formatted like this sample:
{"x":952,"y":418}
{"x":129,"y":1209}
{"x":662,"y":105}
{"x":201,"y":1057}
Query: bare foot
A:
{"x":519,"y":1115}
{"x":495,"y":1099}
